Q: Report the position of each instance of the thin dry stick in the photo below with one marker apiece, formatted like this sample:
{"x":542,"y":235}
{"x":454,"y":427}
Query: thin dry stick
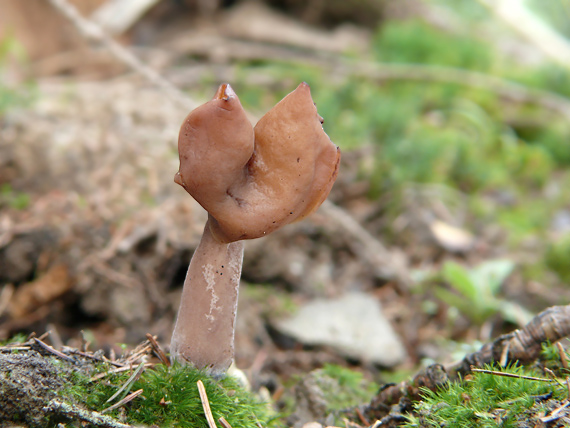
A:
{"x":10,"y":348}
{"x":91,"y":356}
{"x":550,"y":373}
{"x":129,"y":383}
{"x":53,"y":351}
{"x":362,"y":418}
{"x":555,"y":413}
{"x":94,"y":418}
{"x":504,"y":356}
{"x":93,"y":32}
{"x":504,"y":374}
{"x":42,"y":337}
{"x":114,"y":371}
{"x":382,"y":72}
{"x":206,"y":405}
{"x":158,"y":350}
{"x":368,"y":249}
{"x":224,"y":423}
{"x":138,"y":352}
{"x":124,"y":401}
{"x":563,"y":356}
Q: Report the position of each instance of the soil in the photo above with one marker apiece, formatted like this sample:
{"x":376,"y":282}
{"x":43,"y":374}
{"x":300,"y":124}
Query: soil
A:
{"x":28,"y":381}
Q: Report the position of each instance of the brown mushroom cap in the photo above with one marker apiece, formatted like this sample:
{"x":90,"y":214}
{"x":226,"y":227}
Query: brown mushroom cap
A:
{"x":253,"y":181}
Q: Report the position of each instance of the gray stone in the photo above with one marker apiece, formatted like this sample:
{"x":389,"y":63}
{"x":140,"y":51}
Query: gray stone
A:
{"x":352,"y":324}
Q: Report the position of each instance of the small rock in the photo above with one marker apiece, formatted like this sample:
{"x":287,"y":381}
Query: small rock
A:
{"x":451,"y":238}
{"x":313,"y":425}
{"x":27,"y":382}
{"x":352,"y":324}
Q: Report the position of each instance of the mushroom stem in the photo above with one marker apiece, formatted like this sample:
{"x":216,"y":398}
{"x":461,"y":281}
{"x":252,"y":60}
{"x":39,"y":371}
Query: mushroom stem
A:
{"x":204,"y":332}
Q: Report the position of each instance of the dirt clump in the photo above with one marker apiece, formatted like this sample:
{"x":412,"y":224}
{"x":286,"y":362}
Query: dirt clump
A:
{"x":28,"y":381}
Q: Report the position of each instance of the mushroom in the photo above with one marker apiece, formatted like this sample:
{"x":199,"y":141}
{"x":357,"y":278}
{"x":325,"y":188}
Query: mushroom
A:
{"x":251,"y":181}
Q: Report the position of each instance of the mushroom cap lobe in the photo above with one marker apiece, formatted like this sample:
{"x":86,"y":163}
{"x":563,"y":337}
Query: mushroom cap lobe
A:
{"x":254,"y":180}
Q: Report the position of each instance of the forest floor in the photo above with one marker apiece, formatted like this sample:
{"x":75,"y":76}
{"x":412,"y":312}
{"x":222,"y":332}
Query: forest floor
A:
{"x":95,"y":237}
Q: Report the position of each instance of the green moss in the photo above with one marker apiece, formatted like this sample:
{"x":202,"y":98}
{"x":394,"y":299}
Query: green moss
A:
{"x":485,"y":400}
{"x":339,"y":390}
{"x":523,"y":219}
{"x":417,"y":42}
{"x":274,"y":302}
{"x":13,"y":97}
{"x":16,"y":339}
{"x":170,"y":398}
{"x":352,"y":390}
{"x":177,"y":388}
{"x":92,"y":394}
{"x":13,"y":199}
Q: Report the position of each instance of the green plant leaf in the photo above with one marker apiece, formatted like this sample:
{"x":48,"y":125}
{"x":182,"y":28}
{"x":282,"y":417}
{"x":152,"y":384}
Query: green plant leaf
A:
{"x":490,"y":275}
{"x":458,"y":278}
{"x":474,"y":310}
{"x":515,"y":313}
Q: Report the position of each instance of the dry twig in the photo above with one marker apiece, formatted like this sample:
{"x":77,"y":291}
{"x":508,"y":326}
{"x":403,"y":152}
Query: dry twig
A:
{"x":117,"y":370}
{"x":505,"y":374}
{"x":158,"y":350}
{"x":224,"y":423}
{"x":124,"y":401}
{"x":93,"y":32}
{"x":129,"y":383}
{"x":382,"y":72}
{"x":206,"y":405}
{"x":53,"y":351}
{"x":91,"y":356}
{"x":75,"y":412}
{"x":524,"y":346}
{"x":555,"y":414}
{"x":141,"y":350}
{"x":562,"y":353}
{"x":11,"y":348}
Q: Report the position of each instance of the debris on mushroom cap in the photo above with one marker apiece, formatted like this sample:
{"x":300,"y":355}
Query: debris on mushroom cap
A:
{"x":254,"y":180}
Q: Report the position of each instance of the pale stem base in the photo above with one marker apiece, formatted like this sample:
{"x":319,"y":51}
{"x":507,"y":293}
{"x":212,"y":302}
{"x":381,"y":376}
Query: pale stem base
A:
{"x":204,"y":332}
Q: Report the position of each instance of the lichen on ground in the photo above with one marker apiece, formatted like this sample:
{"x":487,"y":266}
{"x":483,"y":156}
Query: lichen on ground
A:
{"x":27,"y":382}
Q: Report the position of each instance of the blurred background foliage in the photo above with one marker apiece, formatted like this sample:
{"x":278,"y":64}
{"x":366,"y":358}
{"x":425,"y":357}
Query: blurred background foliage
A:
{"x":431,"y":132}
{"x":429,"y":100}
{"x":510,"y":158}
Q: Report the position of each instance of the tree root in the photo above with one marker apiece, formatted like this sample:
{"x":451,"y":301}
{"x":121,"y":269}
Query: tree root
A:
{"x":521,"y":346}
